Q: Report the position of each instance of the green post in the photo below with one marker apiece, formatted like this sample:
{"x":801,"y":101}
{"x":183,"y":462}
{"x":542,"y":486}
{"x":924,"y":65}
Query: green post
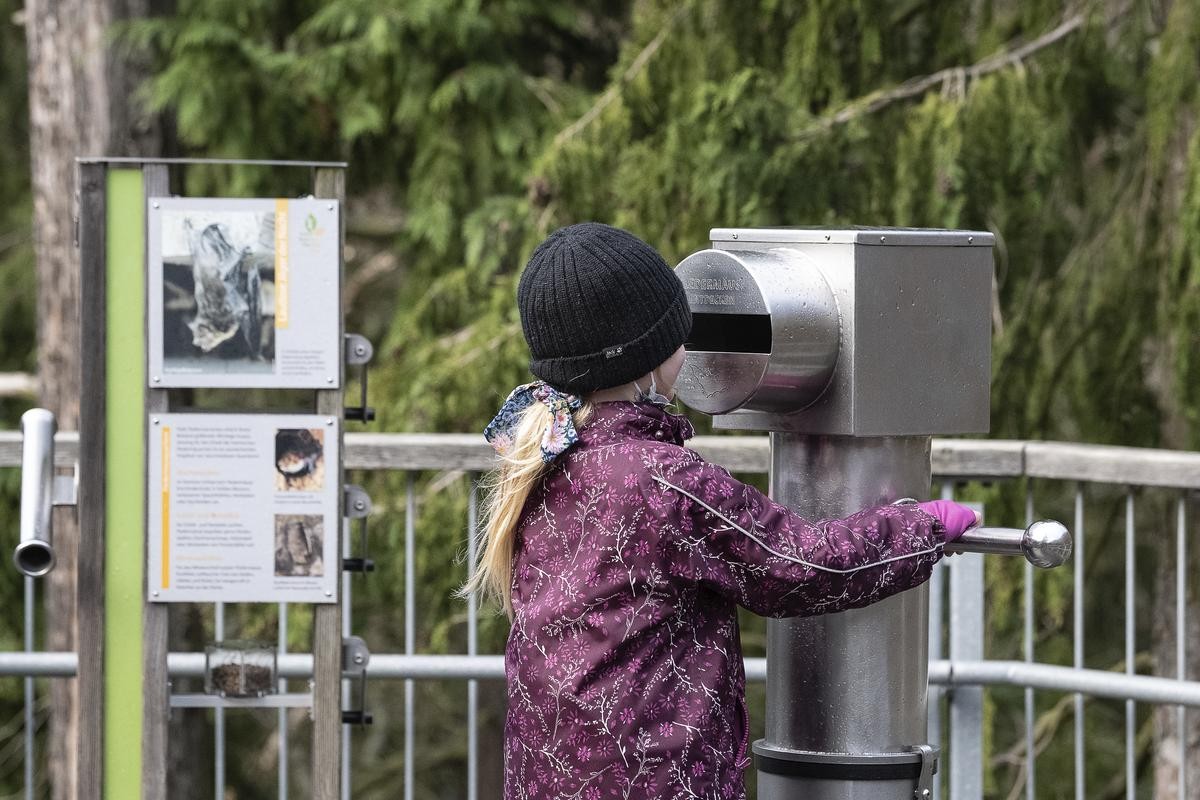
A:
{"x":124,"y":470}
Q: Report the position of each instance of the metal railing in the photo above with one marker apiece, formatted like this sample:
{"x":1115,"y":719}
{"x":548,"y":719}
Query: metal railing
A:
{"x":957,"y":681}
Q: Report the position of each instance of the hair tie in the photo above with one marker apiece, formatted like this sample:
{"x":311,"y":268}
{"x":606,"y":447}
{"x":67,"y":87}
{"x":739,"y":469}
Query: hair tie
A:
{"x":559,"y":435}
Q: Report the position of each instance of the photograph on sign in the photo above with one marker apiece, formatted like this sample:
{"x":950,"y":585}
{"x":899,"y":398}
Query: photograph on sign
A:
{"x":299,"y":459}
{"x":240,"y":508}
{"x":243,"y":293}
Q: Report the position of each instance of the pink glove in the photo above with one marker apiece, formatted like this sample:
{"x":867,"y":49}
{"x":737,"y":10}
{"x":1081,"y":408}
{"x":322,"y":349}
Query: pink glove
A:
{"x":957,"y":518}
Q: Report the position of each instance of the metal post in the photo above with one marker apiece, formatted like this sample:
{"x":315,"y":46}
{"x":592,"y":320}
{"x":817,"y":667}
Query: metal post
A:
{"x":1130,"y":651}
{"x":966,"y":702}
{"x":283,"y":712}
{"x":1080,"y":775}
{"x":1181,"y":635}
{"x":346,"y":631}
{"x":30,"y":696}
{"x":410,"y":572}
{"x":1027,"y":645}
{"x":472,"y":646}
{"x":219,"y":717}
{"x":850,"y":682}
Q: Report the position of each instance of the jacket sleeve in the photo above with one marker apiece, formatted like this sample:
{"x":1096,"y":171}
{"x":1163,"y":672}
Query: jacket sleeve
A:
{"x":731,"y":538}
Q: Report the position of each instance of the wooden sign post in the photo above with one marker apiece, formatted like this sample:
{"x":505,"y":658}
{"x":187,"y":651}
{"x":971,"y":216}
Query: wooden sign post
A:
{"x":125,"y":691}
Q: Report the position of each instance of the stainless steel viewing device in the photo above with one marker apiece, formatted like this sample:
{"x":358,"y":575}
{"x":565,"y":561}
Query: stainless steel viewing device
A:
{"x":852,"y":347}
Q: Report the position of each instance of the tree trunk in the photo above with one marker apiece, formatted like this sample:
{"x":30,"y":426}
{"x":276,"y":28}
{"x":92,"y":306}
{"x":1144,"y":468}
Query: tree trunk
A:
{"x":80,"y":103}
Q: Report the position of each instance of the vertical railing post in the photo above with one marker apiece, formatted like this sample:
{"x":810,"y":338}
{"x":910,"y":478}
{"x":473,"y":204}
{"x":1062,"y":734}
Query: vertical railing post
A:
{"x":966,"y":702}
{"x":1077,"y":578}
{"x":1181,"y":634}
{"x":283,"y":712}
{"x":410,"y":573}
{"x":472,"y":643}
{"x":1027,"y":646}
{"x":1130,"y":650}
{"x":937,"y":619}
{"x":30,"y":694}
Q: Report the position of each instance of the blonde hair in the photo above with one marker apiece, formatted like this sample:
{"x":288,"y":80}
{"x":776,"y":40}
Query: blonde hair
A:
{"x":509,"y":487}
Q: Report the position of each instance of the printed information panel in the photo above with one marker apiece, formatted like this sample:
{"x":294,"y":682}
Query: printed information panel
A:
{"x":243,"y":508}
{"x":243,"y":293}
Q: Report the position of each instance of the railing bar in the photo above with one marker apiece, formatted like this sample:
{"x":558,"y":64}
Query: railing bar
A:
{"x":219,"y":717}
{"x":410,"y":513}
{"x":1027,"y":611}
{"x":472,"y":642}
{"x":937,"y":611}
{"x":30,"y":694}
{"x":1130,"y":648}
{"x":1181,"y":633}
{"x":1078,"y":636}
{"x":283,"y":714}
{"x":346,"y":631}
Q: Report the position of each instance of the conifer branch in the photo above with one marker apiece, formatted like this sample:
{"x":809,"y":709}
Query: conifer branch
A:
{"x":611,"y":93}
{"x":958,"y":76}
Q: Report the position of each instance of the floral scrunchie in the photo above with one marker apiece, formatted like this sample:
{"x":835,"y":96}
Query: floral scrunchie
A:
{"x":560,"y":434}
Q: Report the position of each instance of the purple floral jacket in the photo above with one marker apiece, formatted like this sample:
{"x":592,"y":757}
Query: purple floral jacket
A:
{"x":624,"y":664}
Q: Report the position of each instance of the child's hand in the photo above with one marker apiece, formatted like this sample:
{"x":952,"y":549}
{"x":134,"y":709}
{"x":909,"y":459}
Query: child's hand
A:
{"x":956,"y":517}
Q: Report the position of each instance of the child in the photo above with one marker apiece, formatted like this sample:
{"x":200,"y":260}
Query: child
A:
{"x":621,"y":556}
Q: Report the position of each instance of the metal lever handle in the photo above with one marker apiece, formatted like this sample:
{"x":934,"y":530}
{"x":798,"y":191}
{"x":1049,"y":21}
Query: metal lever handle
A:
{"x":1044,"y":544}
{"x":34,"y":555}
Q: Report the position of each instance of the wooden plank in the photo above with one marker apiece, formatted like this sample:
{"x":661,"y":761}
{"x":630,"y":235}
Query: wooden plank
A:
{"x":978,"y":458}
{"x":89,"y":449}
{"x":18,"y":384}
{"x":969,"y":459}
{"x":156,"y":708}
{"x":327,"y":619}
{"x":66,"y":443}
{"x":1124,"y":466}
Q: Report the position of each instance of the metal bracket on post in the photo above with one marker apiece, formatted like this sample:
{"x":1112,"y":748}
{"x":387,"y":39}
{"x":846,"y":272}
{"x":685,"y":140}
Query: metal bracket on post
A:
{"x":358,"y":354}
{"x":355,"y":658}
{"x":358,"y":506}
{"x":66,"y":487}
{"x":929,"y":760}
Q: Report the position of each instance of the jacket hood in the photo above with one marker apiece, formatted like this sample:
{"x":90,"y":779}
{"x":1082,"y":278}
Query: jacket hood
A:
{"x":635,"y":420}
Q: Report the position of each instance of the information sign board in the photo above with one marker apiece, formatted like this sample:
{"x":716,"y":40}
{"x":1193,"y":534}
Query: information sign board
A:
{"x":243,"y":508}
{"x":243,"y":293}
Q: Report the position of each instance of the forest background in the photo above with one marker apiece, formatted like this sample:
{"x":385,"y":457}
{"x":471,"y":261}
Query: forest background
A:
{"x":472,"y":129}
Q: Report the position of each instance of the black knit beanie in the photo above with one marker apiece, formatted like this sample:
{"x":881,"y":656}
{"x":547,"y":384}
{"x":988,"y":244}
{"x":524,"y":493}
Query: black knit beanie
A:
{"x":599,"y":308}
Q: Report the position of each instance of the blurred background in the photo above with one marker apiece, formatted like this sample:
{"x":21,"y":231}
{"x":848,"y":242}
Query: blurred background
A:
{"x":472,"y":129}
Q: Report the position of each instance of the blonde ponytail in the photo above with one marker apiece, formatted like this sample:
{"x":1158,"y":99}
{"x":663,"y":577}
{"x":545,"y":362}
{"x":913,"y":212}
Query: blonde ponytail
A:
{"x":521,"y":470}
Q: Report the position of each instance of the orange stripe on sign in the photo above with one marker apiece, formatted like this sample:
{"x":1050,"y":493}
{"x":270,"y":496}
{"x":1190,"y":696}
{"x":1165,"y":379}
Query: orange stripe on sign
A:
{"x":281,"y":262}
{"x":166,"y":508}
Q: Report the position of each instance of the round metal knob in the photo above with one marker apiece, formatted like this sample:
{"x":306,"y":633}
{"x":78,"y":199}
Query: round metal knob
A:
{"x":1047,"y":544}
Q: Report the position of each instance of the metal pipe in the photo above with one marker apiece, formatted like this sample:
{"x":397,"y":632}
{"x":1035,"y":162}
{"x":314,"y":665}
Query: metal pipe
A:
{"x":1181,"y":573}
{"x":397,"y":666}
{"x":852,"y":682}
{"x":1027,"y":646}
{"x":34,"y":555}
{"x":283,"y":712}
{"x":1077,"y":644}
{"x":1045,"y":543}
{"x":1130,"y":649}
{"x":410,"y":637}
{"x":30,"y":693}
{"x":219,"y":720}
{"x":1081,"y":682}
{"x":472,"y":643}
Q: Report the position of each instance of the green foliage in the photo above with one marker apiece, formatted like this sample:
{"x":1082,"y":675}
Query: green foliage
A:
{"x":482,"y":126}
